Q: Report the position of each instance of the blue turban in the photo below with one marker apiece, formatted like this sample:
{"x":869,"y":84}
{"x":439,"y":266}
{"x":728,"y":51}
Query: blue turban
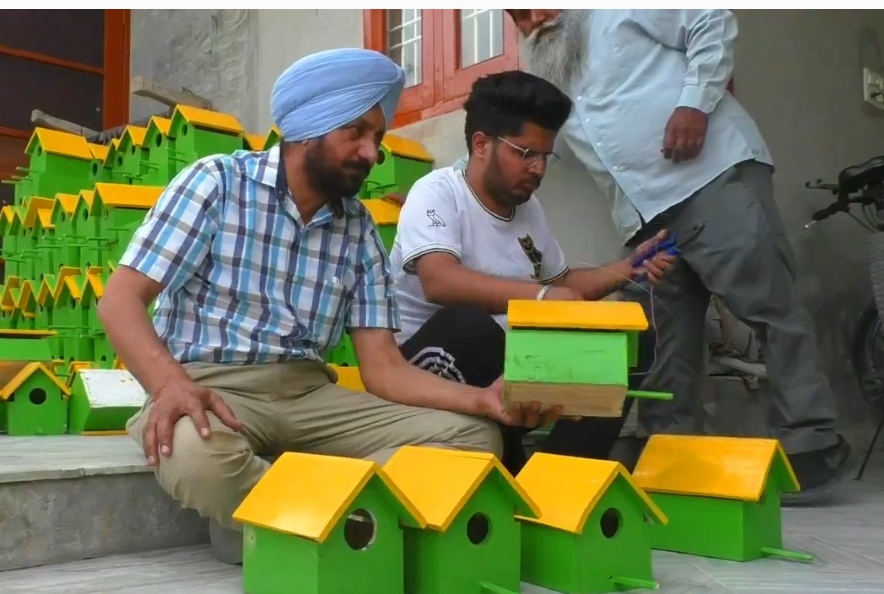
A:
{"x":326,"y":90}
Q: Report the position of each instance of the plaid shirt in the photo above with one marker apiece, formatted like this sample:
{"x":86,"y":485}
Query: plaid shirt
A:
{"x":245,"y":280}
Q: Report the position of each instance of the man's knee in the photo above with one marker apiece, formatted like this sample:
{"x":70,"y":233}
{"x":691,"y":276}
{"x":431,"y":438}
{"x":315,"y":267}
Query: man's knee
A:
{"x":478,"y":434}
{"x":211,"y":475}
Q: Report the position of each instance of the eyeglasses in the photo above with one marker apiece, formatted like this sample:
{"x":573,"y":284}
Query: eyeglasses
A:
{"x":530,"y":157}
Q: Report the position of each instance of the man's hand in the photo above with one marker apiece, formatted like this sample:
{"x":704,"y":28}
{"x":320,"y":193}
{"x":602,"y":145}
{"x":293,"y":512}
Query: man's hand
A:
{"x":654,"y":267}
{"x":685,"y":134}
{"x":175,"y":401}
{"x":491,"y":405}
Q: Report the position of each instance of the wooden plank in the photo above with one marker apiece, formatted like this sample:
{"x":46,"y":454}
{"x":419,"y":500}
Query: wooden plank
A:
{"x":48,"y":121}
{"x":146,"y":87}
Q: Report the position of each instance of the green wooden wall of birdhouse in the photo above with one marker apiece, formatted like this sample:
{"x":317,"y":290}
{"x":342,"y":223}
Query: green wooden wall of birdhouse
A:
{"x":10,"y":227}
{"x":27,"y":305}
{"x":273,"y":138}
{"x":36,"y":402}
{"x":132,"y":152}
{"x":157,"y":168}
{"x":45,"y":302}
{"x":64,"y":221}
{"x":87,"y":220}
{"x":199,"y":133}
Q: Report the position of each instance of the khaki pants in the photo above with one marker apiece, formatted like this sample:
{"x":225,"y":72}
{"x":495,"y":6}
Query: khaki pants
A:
{"x":292,"y":407}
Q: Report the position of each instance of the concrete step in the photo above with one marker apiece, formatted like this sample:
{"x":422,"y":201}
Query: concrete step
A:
{"x":71,"y":497}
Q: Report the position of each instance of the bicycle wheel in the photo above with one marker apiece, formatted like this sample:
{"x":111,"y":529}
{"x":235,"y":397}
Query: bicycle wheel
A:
{"x":868,"y":355}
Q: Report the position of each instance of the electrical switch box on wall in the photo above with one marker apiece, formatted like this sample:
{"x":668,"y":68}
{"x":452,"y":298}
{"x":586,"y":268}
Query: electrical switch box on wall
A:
{"x":873,"y":88}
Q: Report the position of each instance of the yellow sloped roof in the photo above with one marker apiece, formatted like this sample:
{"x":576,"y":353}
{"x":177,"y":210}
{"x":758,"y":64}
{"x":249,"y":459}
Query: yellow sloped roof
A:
{"x":205,"y":118}
{"x":161,"y":123}
{"x":406,"y":147}
{"x":56,"y":142}
{"x":576,"y":315}
{"x":255,"y":141}
{"x":349,"y":377}
{"x":99,"y":151}
{"x":308,"y":494}
{"x":568,"y":489}
{"x":67,"y":202}
{"x":126,"y":196}
{"x":441,"y":482}
{"x":67,"y":279}
{"x":27,"y":295}
{"x":47,"y":289}
{"x":723,"y":467}
{"x":44,"y":215}
{"x":34,"y":204}
{"x":135,"y":134}
{"x":7,"y":212}
{"x":93,"y":283}
{"x":11,"y":290}
{"x":87,"y":196}
{"x":383,"y":212}
{"x":14,"y":373}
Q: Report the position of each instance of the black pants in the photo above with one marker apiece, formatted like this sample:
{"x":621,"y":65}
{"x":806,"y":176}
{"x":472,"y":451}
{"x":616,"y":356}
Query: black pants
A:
{"x":465,"y":344}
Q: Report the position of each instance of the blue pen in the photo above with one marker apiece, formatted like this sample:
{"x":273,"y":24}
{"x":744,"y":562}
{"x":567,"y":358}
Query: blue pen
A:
{"x":669,"y":246}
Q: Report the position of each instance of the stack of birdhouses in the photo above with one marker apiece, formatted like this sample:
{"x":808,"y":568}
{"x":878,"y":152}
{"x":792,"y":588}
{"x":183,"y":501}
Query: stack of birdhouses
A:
{"x":76,"y":208}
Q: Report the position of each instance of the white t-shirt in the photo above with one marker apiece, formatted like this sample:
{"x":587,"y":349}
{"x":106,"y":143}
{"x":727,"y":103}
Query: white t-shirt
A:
{"x":442,"y":214}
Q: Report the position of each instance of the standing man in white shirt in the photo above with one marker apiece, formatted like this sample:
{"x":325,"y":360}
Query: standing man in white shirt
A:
{"x":670,"y":147}
{"x":471,"y":240}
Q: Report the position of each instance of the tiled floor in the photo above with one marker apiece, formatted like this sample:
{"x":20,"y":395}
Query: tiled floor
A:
{"x":847,"y":539}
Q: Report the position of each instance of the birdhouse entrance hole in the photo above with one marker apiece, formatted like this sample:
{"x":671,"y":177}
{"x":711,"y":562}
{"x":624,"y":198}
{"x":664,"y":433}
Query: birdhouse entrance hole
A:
{"x":610,"y":522}
{"x":360,"y":530}
{"x":381,"y":158}
{"x":37,"y":396}
{"x":478,"y":528}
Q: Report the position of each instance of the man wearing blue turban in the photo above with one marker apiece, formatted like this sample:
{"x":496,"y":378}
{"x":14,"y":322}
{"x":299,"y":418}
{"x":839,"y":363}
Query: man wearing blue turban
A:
{"x":258,"y":262}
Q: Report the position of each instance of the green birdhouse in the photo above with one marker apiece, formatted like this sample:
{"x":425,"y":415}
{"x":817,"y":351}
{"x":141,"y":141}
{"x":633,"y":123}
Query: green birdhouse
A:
{"x":27,"y":306}
{"x":90,"y":237}
{"x":343,"y":354}
{"x":103,"y":399}
{"x":41,"y":252}
{"x":77,"y":345}
{"x":157,"y":168}
{"x":591,"y":536}
{"x":199,"y":133}
{"x":401,"y":162}
{"x":91,"y":292}
{"x":36,"y":401}
{"x":9,"y":301}
{"x":45,"y":303}
{"x":575,"y":354}
{"x":59,"y":153}
{"x":120,"y":209}
{"x":10,"y":224}
{"x":131,"y":153}
{"x":253,"y":142}
{"x":97,"y":171}
{"x":721,"y":495}
{"x":472,"y":541}
{"x":273,"y":138}
{"x":386,"y":217}
{"x":64,"y":221}
{"x":111,"y":168}
{"x":339,"y":530}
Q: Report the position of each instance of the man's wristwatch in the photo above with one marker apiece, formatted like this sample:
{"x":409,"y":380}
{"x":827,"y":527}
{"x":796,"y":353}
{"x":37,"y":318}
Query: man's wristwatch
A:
{"x":543,"y":291}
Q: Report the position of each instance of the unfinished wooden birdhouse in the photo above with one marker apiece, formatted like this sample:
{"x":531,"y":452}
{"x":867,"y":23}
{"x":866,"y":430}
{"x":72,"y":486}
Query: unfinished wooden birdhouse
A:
{"x":102,"y":399}
{"x":591,"y":536}
{"x":575,"y":354}
{"x":721,"y":495}
{"x":320,"y":524}
{"x":472,"y":540}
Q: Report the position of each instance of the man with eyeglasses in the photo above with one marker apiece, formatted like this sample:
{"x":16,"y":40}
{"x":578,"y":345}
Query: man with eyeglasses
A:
{"x":470,"y":240}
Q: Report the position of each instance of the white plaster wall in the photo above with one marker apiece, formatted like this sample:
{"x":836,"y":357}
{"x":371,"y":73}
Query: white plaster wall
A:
{"x":798,"y":73}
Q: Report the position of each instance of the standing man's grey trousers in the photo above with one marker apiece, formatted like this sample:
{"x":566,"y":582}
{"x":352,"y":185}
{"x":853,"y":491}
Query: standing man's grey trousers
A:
{"x":734,"y":246}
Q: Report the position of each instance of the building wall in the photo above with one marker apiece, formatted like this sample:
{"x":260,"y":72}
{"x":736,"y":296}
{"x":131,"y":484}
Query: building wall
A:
{"x":798,"y":73}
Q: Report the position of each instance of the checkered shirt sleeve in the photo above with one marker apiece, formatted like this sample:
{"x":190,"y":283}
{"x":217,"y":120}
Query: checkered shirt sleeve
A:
{"x":374,"y":301}
{"x":176,"y":234}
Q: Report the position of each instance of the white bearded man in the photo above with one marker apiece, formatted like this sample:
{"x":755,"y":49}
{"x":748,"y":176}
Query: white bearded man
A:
{"x":670,"y":147}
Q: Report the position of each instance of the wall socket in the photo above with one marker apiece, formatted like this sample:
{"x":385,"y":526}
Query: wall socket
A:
{"x":873,"y":88}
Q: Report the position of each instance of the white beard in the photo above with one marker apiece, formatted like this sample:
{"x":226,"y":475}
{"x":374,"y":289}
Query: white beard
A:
{"x":558,"y":54}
